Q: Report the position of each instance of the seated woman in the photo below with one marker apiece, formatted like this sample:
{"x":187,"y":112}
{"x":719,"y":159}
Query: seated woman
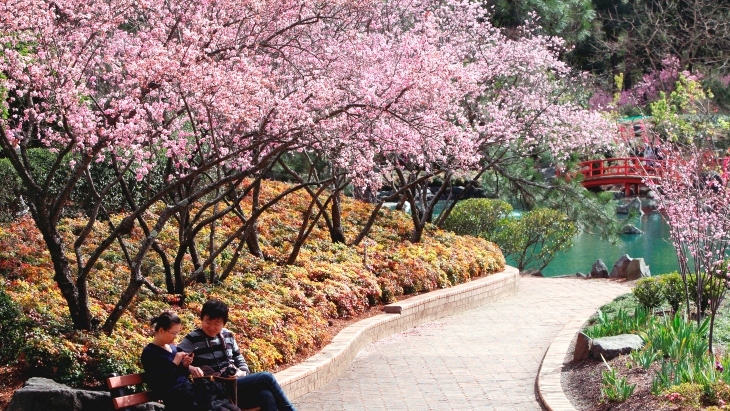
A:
{"x":166,"y":371}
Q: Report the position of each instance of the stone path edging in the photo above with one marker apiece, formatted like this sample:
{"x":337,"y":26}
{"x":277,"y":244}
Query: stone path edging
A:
{"x":323,"y":367}
{"x":549,"y":387}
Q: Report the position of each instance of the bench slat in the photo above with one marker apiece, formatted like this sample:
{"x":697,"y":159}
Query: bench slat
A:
{"x":140,"y":397}
{"x":124,"y":380}
{"x":131,"y":400}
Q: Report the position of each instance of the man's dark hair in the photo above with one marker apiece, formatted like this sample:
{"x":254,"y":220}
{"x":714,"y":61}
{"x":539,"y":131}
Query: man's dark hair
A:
{"x":214,"y":309}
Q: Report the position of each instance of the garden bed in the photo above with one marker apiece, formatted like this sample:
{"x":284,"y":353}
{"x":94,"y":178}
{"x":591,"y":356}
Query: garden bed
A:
{"x":672,"y":372}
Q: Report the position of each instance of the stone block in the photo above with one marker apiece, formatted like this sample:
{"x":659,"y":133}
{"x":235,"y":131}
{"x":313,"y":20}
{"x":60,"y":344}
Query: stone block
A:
{"x":619,"y":268}
{"x":612,"y":347}
{"x":582,"y":347}
{"x":636,"y":269}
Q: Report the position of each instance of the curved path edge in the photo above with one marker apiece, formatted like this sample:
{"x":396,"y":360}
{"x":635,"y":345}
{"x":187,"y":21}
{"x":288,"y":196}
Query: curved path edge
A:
{"x":324,"y":366}
{"x":549,"y":387}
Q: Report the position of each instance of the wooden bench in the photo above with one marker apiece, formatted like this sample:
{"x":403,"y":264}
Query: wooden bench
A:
{"x":120,"y":399}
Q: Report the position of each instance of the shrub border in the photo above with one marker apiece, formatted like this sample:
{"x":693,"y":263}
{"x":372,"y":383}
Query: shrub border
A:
{"x":325,"y":366}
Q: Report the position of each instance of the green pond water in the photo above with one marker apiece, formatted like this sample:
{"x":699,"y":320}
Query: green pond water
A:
{"x":653,"y":246}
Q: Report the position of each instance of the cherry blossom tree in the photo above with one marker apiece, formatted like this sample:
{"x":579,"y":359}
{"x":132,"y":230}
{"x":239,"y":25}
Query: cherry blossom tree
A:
{"x":522,"y":106}
{"x":691,"y":192}
{"x":693,"y":197}
{"x":215,"y":91}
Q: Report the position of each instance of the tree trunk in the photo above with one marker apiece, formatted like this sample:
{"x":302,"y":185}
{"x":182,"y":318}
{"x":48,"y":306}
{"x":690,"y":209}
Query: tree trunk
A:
{"x":212,"y":277}
{"x":417,"y":234}
{"x":252,"y":240}
{"x":336,"y":233}
{"x":177,"y":269}
{"x":72,"y":293}
{"x":369,"y":224}
{"x":136,"y":280}
{"x":78,"y":308}
{"x":135,"y":283}
{"x":195,"y":258}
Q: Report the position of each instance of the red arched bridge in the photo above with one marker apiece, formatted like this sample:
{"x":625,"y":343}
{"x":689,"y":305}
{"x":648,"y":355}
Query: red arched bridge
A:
{"x":628,"y":171}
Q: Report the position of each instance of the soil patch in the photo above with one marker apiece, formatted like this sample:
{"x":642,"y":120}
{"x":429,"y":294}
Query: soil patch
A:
{"x":582,"y":385}
{"x":11,"y":378}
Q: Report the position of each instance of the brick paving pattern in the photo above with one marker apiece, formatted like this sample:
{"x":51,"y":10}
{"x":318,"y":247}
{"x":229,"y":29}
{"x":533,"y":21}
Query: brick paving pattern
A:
{"x":485,"y":359}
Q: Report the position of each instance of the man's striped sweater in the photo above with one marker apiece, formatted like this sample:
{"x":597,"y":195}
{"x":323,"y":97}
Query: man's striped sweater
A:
{"x":216,"y":352}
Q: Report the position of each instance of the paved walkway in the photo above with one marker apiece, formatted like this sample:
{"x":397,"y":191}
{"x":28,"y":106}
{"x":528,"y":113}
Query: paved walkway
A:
{"x":484,"y":359}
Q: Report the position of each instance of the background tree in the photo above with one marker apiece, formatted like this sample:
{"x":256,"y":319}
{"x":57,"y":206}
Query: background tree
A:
{"x":635,"y":37}
{"x":534,"y":239}
{"x":479,"y":217}
{"x":569,"y":19}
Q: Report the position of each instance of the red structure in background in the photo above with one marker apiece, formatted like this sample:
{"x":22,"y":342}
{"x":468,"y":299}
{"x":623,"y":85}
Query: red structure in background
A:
{"x":629,"y":172}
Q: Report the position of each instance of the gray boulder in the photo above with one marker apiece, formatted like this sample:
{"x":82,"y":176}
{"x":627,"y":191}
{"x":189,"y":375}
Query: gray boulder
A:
{"x":612,"y":347}
{"x":619,"y":268}
{"x":533,"y":272}
{"x":581,"y":275}
{"x":548,"y":173}
{"x":636,"y":269}
{"x":633,"y":205}
{"x":617,"y":193}
{"x":42,"y":394}
{"x":599,"y":269}
{"x":630,"y":229}
{"x":392,"y":206}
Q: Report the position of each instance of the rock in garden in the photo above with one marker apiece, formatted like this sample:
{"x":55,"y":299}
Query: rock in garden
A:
{"x":619,"y":268}
{"x":548,"y":173}
{"x":42,"y":394}
{"x":635,"y":205}
{"x":636,"y":269}
{"x":582,"y":347}
{"x":618,"y":193}
{"x":612,"y":347}
{"x":599,"y":269}
{"x":630,"y":229}
{"x":391,"y":206}
{"x":533,"y":272}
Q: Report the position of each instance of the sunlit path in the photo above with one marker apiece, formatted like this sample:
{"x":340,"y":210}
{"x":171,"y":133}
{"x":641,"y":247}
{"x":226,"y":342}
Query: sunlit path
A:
{"x":483,"y":359}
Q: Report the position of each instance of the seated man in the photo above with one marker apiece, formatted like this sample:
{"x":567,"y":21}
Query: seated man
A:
{"x":215,"y":348}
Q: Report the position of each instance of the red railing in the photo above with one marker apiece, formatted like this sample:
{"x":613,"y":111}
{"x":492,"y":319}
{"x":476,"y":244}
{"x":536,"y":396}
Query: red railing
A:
{"x":632,"y":168}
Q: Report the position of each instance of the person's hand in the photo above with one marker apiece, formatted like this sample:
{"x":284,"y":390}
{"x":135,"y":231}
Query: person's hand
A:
{"x":240,"y":373}
{"x":195,"y":371}
{"x":179,"y":357}
{"x":188,"y":359}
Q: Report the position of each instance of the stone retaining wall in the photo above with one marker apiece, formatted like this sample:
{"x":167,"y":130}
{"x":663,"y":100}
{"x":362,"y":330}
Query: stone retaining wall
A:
{"x":322,"y":368}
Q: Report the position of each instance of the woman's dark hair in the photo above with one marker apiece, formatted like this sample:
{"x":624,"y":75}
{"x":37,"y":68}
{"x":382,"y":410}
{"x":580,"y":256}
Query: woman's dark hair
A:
{"x":165,"y":320}
{"x":214,"y":309}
